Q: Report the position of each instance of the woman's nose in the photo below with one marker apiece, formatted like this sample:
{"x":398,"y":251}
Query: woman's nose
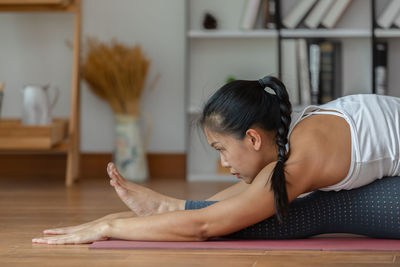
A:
{"x":224,"y":163}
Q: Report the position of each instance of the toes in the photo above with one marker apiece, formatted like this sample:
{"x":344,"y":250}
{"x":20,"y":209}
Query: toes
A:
{"x":115,"y":175}
{"x":111,"y":174}
{"x":114,"y":183}
{"x":120,"y":190}
{"x":118,"y":175}
{"x":110,"y":167}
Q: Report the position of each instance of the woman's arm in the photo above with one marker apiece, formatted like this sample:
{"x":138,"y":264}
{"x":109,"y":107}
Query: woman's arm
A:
{"x":231,"y":191}
{"x":222,"y":218}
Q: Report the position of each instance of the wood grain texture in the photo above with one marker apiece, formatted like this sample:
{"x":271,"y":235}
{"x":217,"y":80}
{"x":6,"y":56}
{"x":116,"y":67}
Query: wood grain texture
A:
{"x":37,"y":165}
{"x":16,"y":136}
{"x":73,"y":158}
{"x":27,"y":206}
{"x":38,"y":6}
{"x":35,"y":2}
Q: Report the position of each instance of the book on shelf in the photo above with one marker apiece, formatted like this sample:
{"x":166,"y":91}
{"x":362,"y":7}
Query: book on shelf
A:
{"x":312,"y":71}
{"x":388,"y":16}
{"x":289,"y":69}
{"x":396,"y":21}
{"x":314,"y":59}
{"x":325,"y":71}
{"x":269,"y":12}
{"x":327,"y":81}
{"x":314,"y":18}
{"x":303,"y":72}
{"x":337,"y":70}
{"x":297,"y":13}
{"x":336,"y":11}
{"x":249,"y":15}
{"x":380,"y":68}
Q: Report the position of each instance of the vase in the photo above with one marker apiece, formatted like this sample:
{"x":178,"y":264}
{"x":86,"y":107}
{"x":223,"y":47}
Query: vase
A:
{"x":129,"y":154}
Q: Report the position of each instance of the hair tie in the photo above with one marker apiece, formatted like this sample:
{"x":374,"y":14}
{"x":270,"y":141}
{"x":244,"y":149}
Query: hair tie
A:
{"x":264,"y":81}
{"x":265,"y":84}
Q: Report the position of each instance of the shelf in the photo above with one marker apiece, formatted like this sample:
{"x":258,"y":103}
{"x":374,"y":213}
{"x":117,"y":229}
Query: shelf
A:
{"x":232,"y":34}
{"x":15,"y":135}
{"x":38,"y":6}
{"x":389,"y":33}
{"x":197,"y":111}
{"x":211,"y":178}
{"x":61,"y":147}
{"x":285,"y":33}
{"x":35,"y":2}
{"x":325,"y":33}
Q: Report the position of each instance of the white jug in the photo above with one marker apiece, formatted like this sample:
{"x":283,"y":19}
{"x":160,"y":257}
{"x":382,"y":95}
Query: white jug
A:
{"x":36,"y":109}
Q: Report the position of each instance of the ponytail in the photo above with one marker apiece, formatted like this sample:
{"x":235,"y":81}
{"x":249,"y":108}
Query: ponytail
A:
{"x":278,"y":180}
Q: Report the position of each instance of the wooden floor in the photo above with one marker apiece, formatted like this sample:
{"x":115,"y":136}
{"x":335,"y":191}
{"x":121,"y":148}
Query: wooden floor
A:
{"x":27,"y":206}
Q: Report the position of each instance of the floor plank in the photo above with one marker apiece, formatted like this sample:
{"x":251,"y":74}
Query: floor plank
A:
{"x":27,"y":206}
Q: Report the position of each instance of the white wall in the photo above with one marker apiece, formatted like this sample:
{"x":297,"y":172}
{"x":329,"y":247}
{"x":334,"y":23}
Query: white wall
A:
{"x":33,"y":50}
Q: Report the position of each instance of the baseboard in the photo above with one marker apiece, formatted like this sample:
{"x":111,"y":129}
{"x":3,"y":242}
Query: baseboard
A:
{"x":92,"y":165}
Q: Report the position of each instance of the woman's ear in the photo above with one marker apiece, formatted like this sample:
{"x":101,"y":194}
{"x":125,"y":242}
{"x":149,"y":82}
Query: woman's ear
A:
{"x":254,"y":139}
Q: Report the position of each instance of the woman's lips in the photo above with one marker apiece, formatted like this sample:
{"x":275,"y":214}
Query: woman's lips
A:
{"x":237,"y":175}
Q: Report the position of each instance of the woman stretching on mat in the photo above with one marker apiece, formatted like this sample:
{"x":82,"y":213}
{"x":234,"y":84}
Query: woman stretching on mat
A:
{"x":345,"y":147}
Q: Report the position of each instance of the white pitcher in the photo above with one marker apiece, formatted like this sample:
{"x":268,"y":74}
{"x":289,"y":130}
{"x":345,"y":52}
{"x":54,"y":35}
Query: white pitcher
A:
{"x":37,"y":108}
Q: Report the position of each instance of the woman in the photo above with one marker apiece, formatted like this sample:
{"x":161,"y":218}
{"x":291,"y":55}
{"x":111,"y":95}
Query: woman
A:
{"x":344,"y":146}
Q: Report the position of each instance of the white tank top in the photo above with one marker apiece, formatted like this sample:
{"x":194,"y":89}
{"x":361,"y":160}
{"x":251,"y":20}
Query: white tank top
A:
{"x":374,"y":122}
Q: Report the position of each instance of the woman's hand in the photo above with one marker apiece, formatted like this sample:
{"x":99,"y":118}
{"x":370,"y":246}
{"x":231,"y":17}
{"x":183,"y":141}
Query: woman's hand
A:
{"x":73,"y":229}
{"x":94,"y":232}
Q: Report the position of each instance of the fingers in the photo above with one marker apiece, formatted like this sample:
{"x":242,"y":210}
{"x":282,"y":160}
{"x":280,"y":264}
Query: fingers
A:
{"x":63,"y":230}
{"x":59,"y":231}
{"x":67,"y":239}
{"x":58,"y":240}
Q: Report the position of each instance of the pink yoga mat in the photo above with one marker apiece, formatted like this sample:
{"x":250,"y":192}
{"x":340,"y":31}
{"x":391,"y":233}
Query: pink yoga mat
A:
{"x":294,"y":244}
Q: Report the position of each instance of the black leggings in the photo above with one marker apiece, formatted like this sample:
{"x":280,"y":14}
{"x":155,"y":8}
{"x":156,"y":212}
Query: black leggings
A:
{"x":372,"y":210}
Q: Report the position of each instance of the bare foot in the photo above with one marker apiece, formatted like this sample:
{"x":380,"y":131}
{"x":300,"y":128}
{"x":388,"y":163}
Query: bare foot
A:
{"x":141,"y":200}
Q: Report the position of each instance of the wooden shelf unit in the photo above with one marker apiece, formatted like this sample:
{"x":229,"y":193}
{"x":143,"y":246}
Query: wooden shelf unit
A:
{"x":71,"y":144}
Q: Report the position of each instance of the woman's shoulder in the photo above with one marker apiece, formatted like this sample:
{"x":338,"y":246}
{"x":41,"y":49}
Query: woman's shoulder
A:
{"x":320,"y":150}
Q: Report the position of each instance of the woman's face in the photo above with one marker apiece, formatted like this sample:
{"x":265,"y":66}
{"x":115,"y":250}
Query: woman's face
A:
{"x":242,"y":157}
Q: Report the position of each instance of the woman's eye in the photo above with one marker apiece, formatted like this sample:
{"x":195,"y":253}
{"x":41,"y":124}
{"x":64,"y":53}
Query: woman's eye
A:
{"x":218,"y":149}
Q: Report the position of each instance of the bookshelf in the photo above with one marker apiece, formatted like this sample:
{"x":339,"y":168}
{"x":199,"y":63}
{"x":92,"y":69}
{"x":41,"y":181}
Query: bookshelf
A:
{"x":70,"y":146}
{"x":213,"y":55}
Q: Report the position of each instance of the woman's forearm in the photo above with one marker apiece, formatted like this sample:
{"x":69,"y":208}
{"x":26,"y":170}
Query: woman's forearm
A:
{"x":124,"y":214}
{"x":173,"y":226}
{"x":231,"y":191}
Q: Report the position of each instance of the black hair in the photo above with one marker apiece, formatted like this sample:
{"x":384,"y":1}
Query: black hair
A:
{"x":242,"y":104}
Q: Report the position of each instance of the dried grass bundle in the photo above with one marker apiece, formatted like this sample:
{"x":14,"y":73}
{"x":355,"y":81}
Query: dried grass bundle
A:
{"x":116,"y":73}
